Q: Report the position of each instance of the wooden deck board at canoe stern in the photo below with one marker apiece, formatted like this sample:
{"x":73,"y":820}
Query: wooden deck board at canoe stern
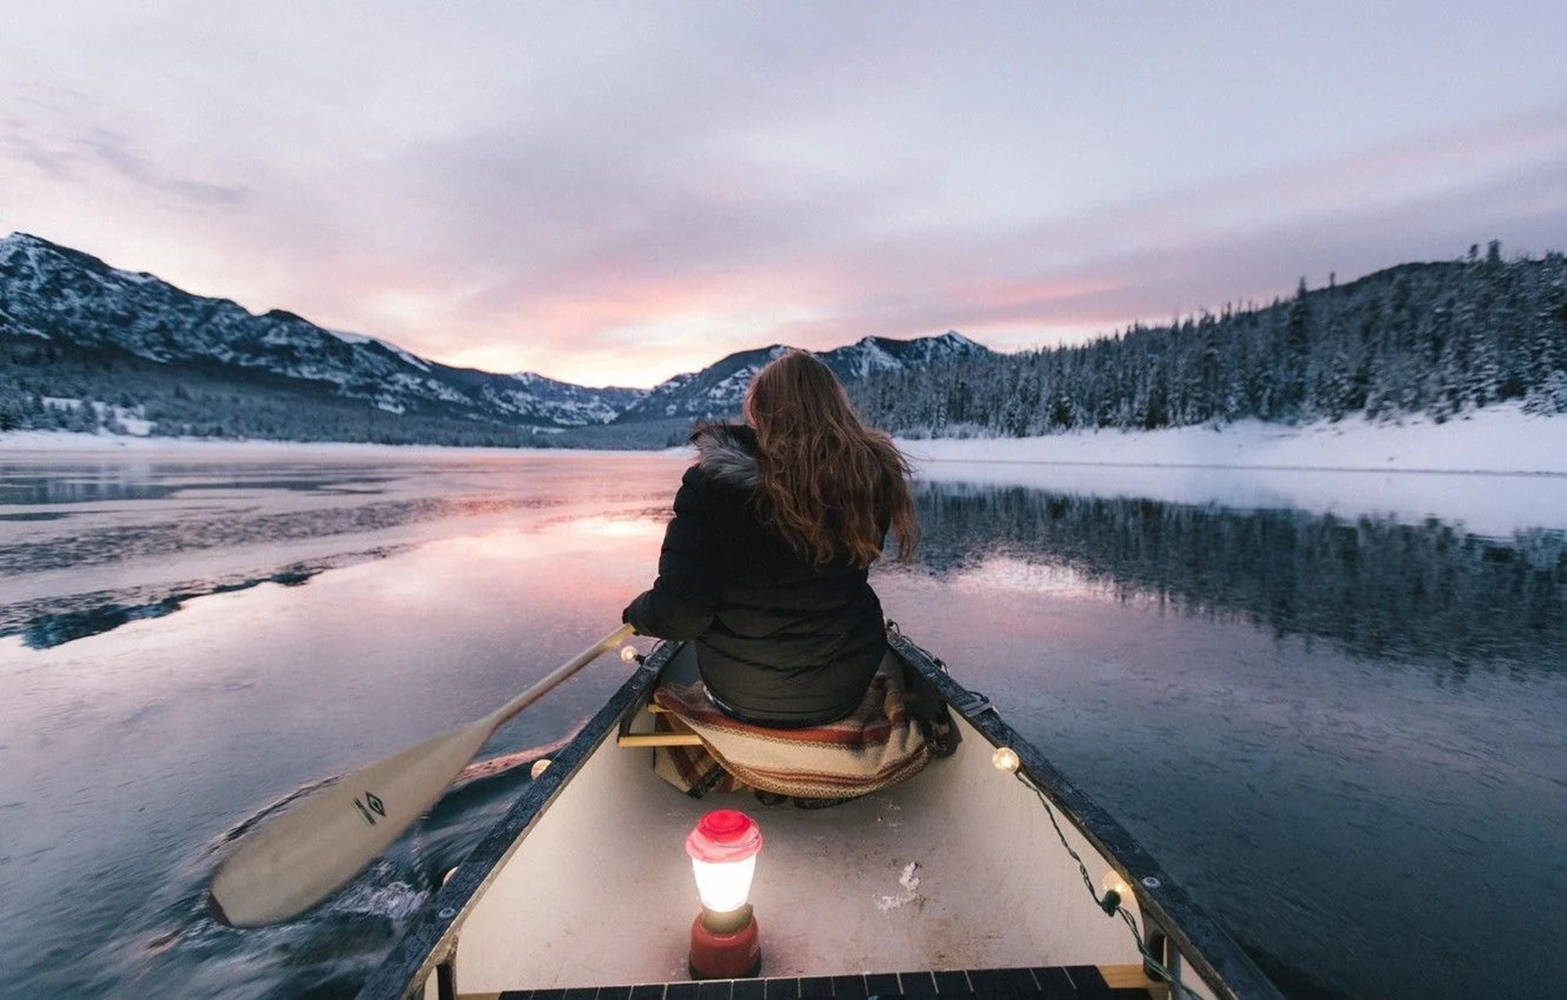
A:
{"x":601,"y":892}
{"x":1108,"y":982}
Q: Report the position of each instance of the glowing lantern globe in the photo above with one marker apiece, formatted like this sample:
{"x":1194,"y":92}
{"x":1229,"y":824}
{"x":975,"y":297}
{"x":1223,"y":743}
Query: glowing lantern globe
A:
{"x":724,"y":939}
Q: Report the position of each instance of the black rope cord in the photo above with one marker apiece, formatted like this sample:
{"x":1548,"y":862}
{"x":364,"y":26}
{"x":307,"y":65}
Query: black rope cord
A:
{"x":1110,"y":908}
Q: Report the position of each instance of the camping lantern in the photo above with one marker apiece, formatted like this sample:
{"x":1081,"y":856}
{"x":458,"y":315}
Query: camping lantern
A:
{"x":724,"y":939}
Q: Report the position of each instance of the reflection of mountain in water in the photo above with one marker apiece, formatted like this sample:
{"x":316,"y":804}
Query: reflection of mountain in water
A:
{"x":1375,"y":586}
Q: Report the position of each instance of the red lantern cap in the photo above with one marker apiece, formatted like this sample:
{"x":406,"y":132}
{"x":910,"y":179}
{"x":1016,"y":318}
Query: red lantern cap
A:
{"x":724,"y":835}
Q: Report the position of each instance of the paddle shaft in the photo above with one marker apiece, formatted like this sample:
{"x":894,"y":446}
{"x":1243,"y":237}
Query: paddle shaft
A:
{"x":552,"y":680}
{"x":301,"y":856}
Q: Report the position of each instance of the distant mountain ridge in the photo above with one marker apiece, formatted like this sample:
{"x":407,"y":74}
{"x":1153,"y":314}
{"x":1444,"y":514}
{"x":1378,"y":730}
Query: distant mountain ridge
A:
{"x":192,"y":364}
{"x":62,"y":294}
{"x":719,"y":389}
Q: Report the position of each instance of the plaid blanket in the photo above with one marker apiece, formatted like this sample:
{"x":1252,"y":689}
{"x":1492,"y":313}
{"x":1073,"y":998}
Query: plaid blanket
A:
{"x":877,"y":746}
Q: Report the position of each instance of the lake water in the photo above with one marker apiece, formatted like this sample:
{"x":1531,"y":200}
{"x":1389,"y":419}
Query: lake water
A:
{"x":1342,"y":734}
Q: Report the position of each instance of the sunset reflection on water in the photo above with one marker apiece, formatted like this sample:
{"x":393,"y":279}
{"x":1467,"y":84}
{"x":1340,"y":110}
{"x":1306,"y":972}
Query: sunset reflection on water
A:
{"x":1287,"y":709}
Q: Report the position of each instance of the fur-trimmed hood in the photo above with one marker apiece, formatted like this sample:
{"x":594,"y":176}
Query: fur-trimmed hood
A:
{"x":727,"y":453}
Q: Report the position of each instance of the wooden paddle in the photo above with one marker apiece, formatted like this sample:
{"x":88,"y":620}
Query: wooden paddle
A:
{"x":297,"y":859}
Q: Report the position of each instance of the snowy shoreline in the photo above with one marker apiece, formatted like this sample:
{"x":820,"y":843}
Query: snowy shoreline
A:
{"x":1500,"y":440}
{"x":54,"y":445}
{"x":1493,"y":471}
{"x":1497,"y":440}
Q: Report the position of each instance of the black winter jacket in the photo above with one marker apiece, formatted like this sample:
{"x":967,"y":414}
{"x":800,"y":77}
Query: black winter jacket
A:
{"x":778,"y":642}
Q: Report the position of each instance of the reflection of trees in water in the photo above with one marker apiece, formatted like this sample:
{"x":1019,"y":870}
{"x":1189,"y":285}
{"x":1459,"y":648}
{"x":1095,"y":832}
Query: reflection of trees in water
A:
{"x":1376,"y":586}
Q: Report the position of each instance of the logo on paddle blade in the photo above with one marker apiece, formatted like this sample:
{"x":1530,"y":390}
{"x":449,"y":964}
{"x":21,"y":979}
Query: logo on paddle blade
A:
{"x":372,"y":803}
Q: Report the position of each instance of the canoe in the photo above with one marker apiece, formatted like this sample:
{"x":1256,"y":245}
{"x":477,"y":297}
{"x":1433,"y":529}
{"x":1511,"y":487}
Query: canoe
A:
{"x":984,"y":875}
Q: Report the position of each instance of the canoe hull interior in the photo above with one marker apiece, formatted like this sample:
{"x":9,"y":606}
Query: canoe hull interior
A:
{"x":957,"y":868}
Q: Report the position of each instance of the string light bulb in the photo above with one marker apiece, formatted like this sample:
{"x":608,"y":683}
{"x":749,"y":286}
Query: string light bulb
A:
{"x":1005,"y":759}
{"x":628,"y":653}
{"x":1115,"y":890}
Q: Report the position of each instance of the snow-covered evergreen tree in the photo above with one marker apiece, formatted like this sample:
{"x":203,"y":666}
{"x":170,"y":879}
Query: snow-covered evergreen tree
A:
{"x":1438,"y":338}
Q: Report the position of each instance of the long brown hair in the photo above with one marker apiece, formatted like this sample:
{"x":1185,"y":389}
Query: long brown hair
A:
{"x":825,"y":478}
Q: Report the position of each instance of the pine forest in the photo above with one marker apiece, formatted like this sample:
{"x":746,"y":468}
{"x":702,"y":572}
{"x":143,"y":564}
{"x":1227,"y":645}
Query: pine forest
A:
{"x":1433,"y":338}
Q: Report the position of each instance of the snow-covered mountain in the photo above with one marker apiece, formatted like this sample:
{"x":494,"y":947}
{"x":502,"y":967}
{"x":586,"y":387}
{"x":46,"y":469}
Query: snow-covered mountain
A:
{"x":717,"y":390}
{"x":195,"y":365}
{"x":64,"y":295}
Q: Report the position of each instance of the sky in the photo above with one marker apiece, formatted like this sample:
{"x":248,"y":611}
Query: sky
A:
{"x":616,"y":193}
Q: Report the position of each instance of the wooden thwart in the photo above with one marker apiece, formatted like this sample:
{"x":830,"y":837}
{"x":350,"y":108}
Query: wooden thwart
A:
{"x":680,"y":735}
{"x":685,"y":739}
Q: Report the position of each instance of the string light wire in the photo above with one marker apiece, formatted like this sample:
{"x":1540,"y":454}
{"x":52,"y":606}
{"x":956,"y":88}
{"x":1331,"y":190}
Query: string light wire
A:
{"x":1177,"y":988}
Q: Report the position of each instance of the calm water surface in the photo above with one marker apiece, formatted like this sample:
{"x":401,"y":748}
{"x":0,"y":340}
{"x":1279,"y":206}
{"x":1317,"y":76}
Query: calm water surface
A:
{"x":1343,"y":735}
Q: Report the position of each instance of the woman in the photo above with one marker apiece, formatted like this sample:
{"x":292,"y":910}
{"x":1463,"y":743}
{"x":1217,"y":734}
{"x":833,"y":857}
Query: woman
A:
{"x":764,"y":564}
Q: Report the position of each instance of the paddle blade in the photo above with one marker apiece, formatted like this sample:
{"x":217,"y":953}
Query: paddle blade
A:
{"x":304,"y":855}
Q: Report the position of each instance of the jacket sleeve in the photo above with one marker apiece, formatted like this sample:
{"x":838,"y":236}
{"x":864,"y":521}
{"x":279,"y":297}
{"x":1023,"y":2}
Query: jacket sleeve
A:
{"x":684,"y":598}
